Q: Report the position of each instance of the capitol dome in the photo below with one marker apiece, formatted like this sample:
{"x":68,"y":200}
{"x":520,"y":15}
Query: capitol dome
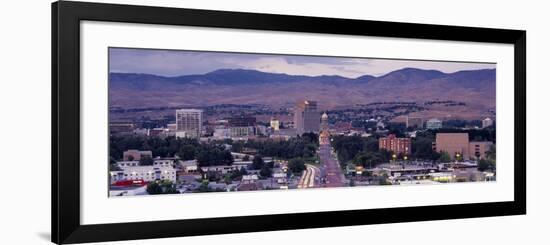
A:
{"x":324,"y":116}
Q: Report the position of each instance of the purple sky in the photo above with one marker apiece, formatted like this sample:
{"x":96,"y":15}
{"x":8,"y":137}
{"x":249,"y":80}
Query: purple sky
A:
{"x":174,"y":63}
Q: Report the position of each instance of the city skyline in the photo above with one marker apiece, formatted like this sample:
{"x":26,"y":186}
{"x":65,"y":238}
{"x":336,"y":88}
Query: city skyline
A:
{"x":246,"y":126}
{"x":181,"y":62}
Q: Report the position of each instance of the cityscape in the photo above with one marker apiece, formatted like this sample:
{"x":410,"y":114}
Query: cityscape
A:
{"x":184,"y":122}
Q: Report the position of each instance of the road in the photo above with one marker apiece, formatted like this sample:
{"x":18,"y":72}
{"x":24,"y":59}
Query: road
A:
{"x":332,"y":173}
{"x":308,"y":179}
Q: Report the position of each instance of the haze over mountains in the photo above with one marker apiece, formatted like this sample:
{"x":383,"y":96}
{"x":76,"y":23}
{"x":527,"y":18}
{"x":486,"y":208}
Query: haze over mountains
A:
{"x":237,"y":86}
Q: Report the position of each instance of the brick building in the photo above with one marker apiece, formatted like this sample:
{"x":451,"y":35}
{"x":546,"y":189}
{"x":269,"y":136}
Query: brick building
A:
{"x":394,"y":144}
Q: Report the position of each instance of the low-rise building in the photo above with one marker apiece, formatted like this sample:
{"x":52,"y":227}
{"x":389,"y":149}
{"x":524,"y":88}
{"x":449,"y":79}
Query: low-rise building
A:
{"x":395,"y":145}
{"x":280,"y":177}
{"x":284,"y":134}
{"x":144,"y":173}
{"x":454,"y":144}
{"x":242,"y":164}
{"x":261,"y":130}
{"x":414,"y":122}
{"x":131,"y":155}
{"x":249,"y":179}
{"x":221,"y":133}
{"x":458,"y":144}
{"x":244,"y":131}
{"x":443,"y":177}
{"x":161,"y":162}
{"x":190,"y":166}
{"x":123,"y":164}
{"x":121,"y":127}
{"x":479,"y":148}
{"x":157,"y":162}
{"x":434,"y":123}
{"x":223,"y":169}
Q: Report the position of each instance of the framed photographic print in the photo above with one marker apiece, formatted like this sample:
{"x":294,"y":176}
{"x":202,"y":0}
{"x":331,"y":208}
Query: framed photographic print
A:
{"x":176,"y":122}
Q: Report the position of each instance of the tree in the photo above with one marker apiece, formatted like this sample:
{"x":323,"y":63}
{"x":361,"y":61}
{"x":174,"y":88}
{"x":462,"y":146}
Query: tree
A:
{"x":383,"y":180}
{"x":366,"y":174}
{"x":400,"y":155}
{"x":422,"y":147}
{"x":237,"y":146}
{"x":310,"y":137}
{"x":303,"y":146}
{"x":483,"y":165}
{"x":459,"y":157}
{"x":296,"y":165}
{"x":371,"y":144}
{"x":243,"y":171}
{"x":257,"y":162}
{"x":266,"y":171}
{"x":114,"y":167}
{"x":187,"y":152}
{"x":169,"y":188}
{"x":146,"y":161}
{"x":162,"y":187}
{"x":153,"y":188}
{"x":228,"y":178}
{"x":213,"y":154}
{"x":435,"y":156}
{"x":237,"y":174}
{"x":445,"y":157}
{"x":491,"y":153}
{"x":204,"y":187}
{"x":369,"y":159}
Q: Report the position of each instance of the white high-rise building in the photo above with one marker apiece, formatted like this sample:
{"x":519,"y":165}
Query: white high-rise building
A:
{"x":189,"y":123}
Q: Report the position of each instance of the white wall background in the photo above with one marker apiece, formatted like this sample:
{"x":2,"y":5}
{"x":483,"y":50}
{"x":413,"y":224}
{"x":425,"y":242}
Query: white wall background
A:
{"x":25,"y":122}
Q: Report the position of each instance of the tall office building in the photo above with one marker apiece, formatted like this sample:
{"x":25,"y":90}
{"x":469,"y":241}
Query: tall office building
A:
{"x":306,"y":117}
{"x":189,"y":123}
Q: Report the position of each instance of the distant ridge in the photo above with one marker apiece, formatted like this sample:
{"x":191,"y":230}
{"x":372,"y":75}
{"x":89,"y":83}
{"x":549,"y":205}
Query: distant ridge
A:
{"x":252,"y":86}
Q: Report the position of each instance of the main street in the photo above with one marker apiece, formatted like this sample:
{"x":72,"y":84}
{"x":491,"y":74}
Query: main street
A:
{"x":308,"y":179}
{"x":332,"y":173}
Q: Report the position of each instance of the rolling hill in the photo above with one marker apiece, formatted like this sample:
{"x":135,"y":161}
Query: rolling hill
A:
{"x":239,"y":86}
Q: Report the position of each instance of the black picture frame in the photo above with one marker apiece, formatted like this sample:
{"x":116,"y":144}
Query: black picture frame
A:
{"x":66,"y":18}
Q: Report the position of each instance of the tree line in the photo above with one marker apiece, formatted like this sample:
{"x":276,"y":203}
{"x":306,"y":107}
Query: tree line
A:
{"x":207,"y":154}
{"x":365,"y":151}
{"x":304,"y":146}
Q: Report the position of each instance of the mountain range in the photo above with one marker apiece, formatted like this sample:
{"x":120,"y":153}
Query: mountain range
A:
{"x":240,"y":86}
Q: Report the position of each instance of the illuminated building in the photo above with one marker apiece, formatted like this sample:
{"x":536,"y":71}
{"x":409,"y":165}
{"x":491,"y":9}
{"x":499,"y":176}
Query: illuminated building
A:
{"x":306,"y":117}
{"x":395,"y":145}
{"x":324,"y":136}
